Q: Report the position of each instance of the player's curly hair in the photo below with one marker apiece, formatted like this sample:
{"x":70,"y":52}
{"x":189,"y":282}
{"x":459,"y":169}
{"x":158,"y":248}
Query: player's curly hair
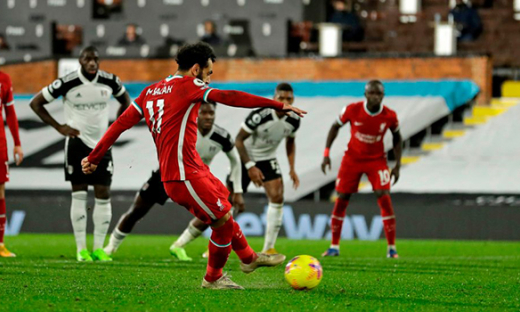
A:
{"x":194,"y":53}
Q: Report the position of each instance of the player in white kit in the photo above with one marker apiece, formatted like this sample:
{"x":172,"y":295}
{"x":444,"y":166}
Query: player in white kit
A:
{"x":211,"y":140}
{"x":86,"y":93}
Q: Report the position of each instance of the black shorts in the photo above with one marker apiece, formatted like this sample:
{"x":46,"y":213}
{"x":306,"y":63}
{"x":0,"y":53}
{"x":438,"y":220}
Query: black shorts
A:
{"x":153,"y":190}
{"x":270,"y":168}
{"x":75,"y":151}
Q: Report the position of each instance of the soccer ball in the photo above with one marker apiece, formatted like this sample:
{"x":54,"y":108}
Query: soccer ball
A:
{"x":303,"y":272}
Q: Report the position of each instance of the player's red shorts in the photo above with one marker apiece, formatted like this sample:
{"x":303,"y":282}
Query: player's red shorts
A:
{"x":352,"y":170}
{"x":206,"y":198}
{"x":4,"y":167}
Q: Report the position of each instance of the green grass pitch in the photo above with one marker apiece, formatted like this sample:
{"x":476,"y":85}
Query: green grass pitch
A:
{"x":429,"y":276}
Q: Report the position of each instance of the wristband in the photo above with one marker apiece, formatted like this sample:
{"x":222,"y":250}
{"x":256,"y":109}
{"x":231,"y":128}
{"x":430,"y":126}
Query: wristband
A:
{"x":326,"y":152}
{"x":250,"y":164}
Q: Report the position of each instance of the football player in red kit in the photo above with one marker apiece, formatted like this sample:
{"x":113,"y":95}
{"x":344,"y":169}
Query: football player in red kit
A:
{"x":369,"y":121}
{"x":170,"y":108}
{"x":6,"y":101}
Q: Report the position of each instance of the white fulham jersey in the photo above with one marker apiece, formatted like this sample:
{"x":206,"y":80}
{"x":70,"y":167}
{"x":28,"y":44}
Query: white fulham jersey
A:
{"x":267,"y":131}
{"x":86,"y":102}
{"x":218,"y":139}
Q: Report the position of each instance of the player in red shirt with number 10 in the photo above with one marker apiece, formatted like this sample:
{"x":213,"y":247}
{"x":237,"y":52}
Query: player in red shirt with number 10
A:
{"x":170,"y":108}
{"x":369,"y":122}
{"x":7,"y":102}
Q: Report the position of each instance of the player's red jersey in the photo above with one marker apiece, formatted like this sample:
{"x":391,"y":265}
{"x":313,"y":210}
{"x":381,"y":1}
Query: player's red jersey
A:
{"x":170,"y":108}
{"x":6,"y":100}
{"x":367,"y":130}
{"x":6,"y":89}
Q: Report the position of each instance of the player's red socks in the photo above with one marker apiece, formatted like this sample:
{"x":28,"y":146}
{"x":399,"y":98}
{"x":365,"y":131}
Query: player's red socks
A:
{"x":241,"y":246}
{"x":336,"y":221}
{"x":3,"y":218}
{"x":219,"y":249}
{"x":223,"y":239}
{"x":387,"y":212}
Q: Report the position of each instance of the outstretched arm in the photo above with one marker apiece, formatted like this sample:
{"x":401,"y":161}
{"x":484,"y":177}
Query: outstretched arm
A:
{"x":126,"y":121}
{"x":398,"y":151}
{"x":243,"y":99}
{"x":333,"y":133}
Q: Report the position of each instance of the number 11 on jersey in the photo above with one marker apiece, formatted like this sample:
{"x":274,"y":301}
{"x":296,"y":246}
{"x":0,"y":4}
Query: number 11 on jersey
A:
{"x":155,"y":123}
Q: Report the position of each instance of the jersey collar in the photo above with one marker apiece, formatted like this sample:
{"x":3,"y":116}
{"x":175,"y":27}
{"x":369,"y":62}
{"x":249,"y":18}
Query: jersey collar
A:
{"x":84,"y":79}
{"x":171,"y":77}
{"x":369,"y":112}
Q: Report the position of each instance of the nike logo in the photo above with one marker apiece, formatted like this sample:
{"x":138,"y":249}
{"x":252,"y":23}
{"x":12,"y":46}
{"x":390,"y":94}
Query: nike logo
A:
{"x":357,"y":123}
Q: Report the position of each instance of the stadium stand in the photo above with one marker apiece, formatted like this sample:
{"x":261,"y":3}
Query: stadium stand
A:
{"x":267,"y":20}
{"x":386,"y":30}
{"x":28,"y":41}
{"x":484,"y":160}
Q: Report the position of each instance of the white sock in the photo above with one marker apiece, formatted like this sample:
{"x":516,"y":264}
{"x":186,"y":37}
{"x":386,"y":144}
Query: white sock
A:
{"x":115,"y":241}
{"x":78,"y":217}
{"x":189,"y":234}
{"x":101,"y":216}
{"x":391,"y":247}
{"x":274,"y":223}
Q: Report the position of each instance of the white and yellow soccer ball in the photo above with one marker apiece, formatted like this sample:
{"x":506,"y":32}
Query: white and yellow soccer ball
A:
{"x":303,"y":272}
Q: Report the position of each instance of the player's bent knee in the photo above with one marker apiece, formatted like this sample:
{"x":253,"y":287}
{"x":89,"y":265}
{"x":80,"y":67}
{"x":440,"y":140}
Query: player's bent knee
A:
{"x":220,"y":222}
{"x":199,"y":224}
{"x":79,"y":187}
{"x":277,"y":199}
{"x":102,"y":195}
{"x":102,"y":192}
